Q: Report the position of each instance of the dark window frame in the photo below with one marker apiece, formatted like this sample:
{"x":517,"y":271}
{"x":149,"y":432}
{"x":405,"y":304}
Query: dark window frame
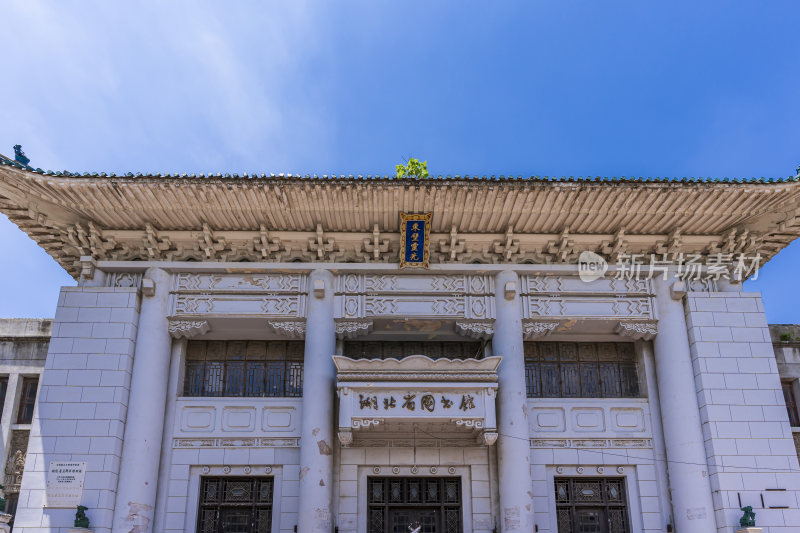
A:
{"x":216,"y":498}
{"x":581,"y":370}
{"x":791,"y":403}
{"x":3,"y":393}
{"x":570,"y":500}
{"x":381,"y":503}
{"x":244,"y":369}
{"x":27,"y":400}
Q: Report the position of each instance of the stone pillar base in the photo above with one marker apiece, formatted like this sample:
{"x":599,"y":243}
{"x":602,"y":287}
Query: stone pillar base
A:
{"x":4,"y":520}
{"x":749,"y":530}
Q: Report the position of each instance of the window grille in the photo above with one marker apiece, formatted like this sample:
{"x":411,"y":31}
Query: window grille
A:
{"x":241,"y":504}
{"x":402,"y":504}
{"x":244,"y":368}
{"x":581,"y":370}
{"x":591,"y":504}
{"x":791,"y":404}
{"x":400,"y":349}
{"x":27,"y":400}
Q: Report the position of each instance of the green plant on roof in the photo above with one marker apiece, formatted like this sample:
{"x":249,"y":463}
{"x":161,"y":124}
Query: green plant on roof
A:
{"x":786,"y":337}
{"x":413,"y":169}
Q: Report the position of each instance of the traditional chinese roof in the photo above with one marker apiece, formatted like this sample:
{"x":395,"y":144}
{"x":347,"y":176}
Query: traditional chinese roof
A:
{"x":356,"y":218}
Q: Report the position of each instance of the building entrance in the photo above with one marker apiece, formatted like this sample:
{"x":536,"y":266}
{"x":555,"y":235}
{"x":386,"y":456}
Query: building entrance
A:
{"x":414,"y":505}
{"x":596,"y":505}
{"x":235,"y":505}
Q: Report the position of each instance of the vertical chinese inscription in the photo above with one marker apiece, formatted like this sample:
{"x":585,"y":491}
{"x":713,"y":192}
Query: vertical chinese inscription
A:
{"x":415,"y":240}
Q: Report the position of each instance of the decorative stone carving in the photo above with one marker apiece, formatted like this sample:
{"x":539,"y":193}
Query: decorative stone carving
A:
{"x":596,"y":306}
{"x":321,"y":247}
{"x":289,"y":306}
{"x":15,"y":466}
{"x":123,"y":279}
{"x":637,"y":330}
{"x":535,"y":330}
{"x":345,"y":437}
{"x":475,"y":330}
{"x":414,"y":368}
{"x":489,"y":438}
{"x":468,"y":422}
{"x":269,"y":247}
{"x":236,"y":283}
{"x":262,"y":442}
{"x":376,"y":249}
{"x":88,"y":266}
{"x":187,"y":328}
{"x":350,"y":329}
{"x":455,"y":396}
{"x":366,"y":422}
{"x":591,"y":443}
{"x":289,"y":329}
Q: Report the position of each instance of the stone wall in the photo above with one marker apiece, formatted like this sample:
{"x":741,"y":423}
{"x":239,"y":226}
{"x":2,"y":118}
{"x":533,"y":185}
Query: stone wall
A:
{"x":748,"y":440}
{"x":80,"y":415}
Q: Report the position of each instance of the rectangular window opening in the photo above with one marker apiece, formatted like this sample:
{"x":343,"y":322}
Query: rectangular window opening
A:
{"x":791,"y":403}
{"x":581,"y":370}
{"x":27,"y":400}
{"x":244,"y":369}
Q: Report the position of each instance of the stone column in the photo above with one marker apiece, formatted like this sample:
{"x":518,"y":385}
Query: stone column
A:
{"x":141,"y":449}
{"x":690,"y":488}
{"x":645,"y":352}
{"x":176,"y":373}
{"x":513,"y":445}
{"x":316,"y":425}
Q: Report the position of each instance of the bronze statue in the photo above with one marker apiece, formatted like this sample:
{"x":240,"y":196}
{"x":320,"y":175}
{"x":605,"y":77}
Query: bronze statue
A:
{"x":748,"y":518}
{"x":81,"y":520}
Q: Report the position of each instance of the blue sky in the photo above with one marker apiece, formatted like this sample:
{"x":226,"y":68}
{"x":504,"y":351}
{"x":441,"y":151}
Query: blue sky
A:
{"x":612,"y":88}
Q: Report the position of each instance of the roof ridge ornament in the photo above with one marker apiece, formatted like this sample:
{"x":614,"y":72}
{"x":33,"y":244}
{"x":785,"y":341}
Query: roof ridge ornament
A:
{"x":19,"y":155}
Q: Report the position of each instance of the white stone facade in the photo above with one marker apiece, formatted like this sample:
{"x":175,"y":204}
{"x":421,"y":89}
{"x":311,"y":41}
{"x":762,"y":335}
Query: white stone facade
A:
{"x":84,"y":413}
{"x":218,"y":349}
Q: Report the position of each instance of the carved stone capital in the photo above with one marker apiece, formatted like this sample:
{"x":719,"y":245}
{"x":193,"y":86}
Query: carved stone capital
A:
{"x":289,"y":328}
{"x":88,"y":266}
{"x":637,"y":330}
{"x":345,"y":436}
{"x":350,"y":329}
{"x":187,"y":328}
{"x":475,"y":330}
{"x":534,"y":330}
{"x":488,"y":438}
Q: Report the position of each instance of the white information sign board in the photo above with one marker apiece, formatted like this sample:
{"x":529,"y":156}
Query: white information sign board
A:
{"x":65,"y":484}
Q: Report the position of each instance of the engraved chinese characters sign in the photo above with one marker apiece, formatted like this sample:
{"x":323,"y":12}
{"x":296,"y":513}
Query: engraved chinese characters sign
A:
{"x":65,"y":484}
{"x":415,"y":231}
{"x":419,"y":403}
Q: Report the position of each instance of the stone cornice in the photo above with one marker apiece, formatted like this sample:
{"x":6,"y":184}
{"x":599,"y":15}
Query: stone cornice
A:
{"x":187,"y":328}
{"x":638,"y":330}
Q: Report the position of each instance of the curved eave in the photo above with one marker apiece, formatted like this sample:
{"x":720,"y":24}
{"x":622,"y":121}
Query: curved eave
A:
{"x":44,"y":205}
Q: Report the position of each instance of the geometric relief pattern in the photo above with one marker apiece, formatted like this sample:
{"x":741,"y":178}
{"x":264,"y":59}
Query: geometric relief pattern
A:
{"x":545,"y":284}
{"x":607,"y":306}
{"x":255,"y":442}
{"x":361,"y":296}
{"x":290,"y":306}
{"x":276,"y":295}
{"x":591,"y":443}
